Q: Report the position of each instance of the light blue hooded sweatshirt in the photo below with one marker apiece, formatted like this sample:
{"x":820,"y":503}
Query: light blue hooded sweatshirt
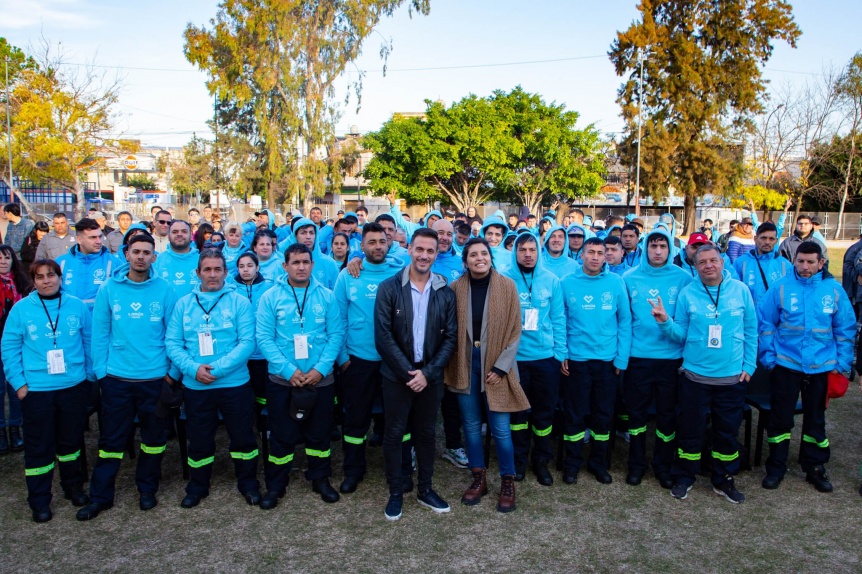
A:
{"x":807,"y":325}
{"x":645,"y":283}
{"x":355,"y":298}
{"x":562,"y":265}
{"x":410,"y":227}
{"x":598,"y":317}
{"x":249,"y":228}
{"x":587,"y":235}
{"x":84,"y":275}
{"x":271,"y":269}
{"x":499,"y":255}
{"x":449,"y":264}
{"x":325,"y":269}
{"x":28,"y":337}
{"x":774,"y":268}
{"x":253,"y":293}
{"x":695,"y":312}
{"x":231,"y":254}
{"x":179,"y":270}
{"x":230,"y":321}
{"x":539,"y":289}
{"x":278,"y":321}
{"x":130,"y":321}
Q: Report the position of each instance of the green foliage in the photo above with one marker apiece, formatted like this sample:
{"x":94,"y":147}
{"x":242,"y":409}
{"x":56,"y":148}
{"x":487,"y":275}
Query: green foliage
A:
{"x":701,"y":84}
{"x":830,"y":170}
{"x":141,"y":182}
{"x":277,"y":62}
{"x":508,"y":144}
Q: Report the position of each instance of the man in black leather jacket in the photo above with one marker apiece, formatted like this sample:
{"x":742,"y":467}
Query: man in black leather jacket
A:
{"x":415,"y":331}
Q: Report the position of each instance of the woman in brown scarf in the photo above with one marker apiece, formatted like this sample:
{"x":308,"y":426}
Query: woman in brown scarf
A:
{"x":483,"y":371}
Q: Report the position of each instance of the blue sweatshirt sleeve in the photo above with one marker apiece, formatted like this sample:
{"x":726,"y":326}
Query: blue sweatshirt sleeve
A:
{"x":624,"y":328}
{"x":171,"y":304}
{"x":175,"y":345}
{"x":755,"y":221}
{"x":779,"y":227}
{"x":245,"y":340}
{"x":335,"y":332}
{"x":86,"y":339}
{"x":749,"y":326}
{"x":101,"y":325}
{"x":676,"y":327}
{"x":341,"y":302}
{"x":844,"y":330}
{"x":558,"y":320}
{"x":279,"y":364}
{"x":769,"y":315}
{"x":408,"y":226}
{"x":12,"y":348}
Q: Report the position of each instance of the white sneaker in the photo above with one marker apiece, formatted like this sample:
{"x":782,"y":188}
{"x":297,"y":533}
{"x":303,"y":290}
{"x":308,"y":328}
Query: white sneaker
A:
{"x":457,"y":456}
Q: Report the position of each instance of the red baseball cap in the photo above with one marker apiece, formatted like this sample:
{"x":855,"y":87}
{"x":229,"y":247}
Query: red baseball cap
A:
{"x":697,"y":238}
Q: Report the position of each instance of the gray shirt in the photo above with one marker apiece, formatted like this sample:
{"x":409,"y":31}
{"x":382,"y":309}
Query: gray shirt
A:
{"x":53,"y":246}
{"x":420,"y":317}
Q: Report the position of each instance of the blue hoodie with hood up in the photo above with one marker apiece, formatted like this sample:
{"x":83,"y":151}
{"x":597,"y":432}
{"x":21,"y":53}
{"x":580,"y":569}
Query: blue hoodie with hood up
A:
{"x":249,"y":228}
{"x":499,"y":254}
{"x":253,"y":292}
{"x":410,"y":227}
{"x":325,"y":269}
{"x":598,"y":317}
{"x":131,"y":320}
{"x":646,"y":283}
{"x":539,"y":289}
{"x":563,"y":264}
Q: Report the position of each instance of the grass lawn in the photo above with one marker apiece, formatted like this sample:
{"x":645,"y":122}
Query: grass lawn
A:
{"x":586,"y":527}
{"x":836,"y":258}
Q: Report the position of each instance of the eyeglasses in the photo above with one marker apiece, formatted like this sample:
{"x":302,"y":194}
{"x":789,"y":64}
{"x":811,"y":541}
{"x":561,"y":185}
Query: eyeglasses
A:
{"x":163,"y":221}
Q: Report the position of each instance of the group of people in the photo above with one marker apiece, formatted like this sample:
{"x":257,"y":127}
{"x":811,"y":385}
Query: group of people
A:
{"x":521,"y":327}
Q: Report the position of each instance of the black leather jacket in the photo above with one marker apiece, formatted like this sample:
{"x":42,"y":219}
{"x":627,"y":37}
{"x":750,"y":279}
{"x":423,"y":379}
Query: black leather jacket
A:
{"x":393,"y":328}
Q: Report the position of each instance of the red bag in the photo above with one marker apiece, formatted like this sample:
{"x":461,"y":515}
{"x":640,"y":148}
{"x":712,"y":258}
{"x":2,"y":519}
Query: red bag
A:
{"x":836,"y":386}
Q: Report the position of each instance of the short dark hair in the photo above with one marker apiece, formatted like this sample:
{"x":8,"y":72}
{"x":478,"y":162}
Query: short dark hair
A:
{"x":612,"y":240}
{"x":425,"y":232}
{"x":384,"y":217}
{"x":196,"y":210}
{"x":155,"y":207}
{"x":612,"y":220}
{"x":524,"y":238}
{"x":513,"y":214}
{"x":476,"y":241}
{"x":212,"y":253}
{"x":13,"y":208}
{"x":55,"y":267}
{"x":462,"y":228}
{"x":59,"y":214}
{"x":460,"y":214}
{"x":251,"y":255}
{"x":767,"y":226}
{"x":315,"y":208}
{"x":372,"y":227}
{"x":161,"y":211}
{"x":362,"y":208}
{"x":631,"y":227}
{"x":798,"y":219}
{"x":658,"y":238}
{"x":707,"y":247}
{"x":184,"y":222}
{"x":86,"y":224}
{"x":142,"y":236}
{"x":809,"y":247}
{"x":707,"y":219}
{"x":121,"y":213}
{"x":264,"y":233}
{"x":593,"y":241}
{"x":577,"y":211}
{"x":298,"y":248}
{"x":342,"y":221}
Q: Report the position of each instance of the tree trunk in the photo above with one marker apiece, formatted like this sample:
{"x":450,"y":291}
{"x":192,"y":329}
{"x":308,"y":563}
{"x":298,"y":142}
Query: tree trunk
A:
{"x":81,"y":201}
{"x":13,"y":191}
{"x":847,"y":175}
{"x":689,"y":214}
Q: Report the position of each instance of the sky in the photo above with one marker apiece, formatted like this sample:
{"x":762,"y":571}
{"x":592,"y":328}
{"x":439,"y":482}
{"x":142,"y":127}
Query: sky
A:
{"x":557,"y":49}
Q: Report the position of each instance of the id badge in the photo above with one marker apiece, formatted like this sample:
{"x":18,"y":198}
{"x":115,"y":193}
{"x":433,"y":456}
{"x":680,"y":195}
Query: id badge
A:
{"x":300,"y":347}
{"x":205,"y":343}
{"x":714,"y":340}
{"x":56,"y":362}
{"x":531,"y":319}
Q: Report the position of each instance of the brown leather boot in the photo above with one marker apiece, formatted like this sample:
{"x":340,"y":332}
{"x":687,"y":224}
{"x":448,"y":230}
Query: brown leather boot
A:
{"x":477,"y":489}
{"x":506,"y":502}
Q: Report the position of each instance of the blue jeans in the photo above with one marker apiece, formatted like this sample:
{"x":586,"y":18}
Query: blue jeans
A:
{"x":498,"y":423}
{"x":16,"y":419}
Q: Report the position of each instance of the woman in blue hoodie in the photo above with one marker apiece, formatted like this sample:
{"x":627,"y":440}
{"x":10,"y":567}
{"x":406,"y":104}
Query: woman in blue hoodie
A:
{"x":46,"y":359}
{"x":264,"y":246}
{"x":234,"y":246}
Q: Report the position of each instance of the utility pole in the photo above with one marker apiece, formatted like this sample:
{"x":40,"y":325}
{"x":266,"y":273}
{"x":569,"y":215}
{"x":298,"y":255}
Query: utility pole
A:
{"x":640,"y":124}
{"x":9,"y":130}
{"x":215,"y":149}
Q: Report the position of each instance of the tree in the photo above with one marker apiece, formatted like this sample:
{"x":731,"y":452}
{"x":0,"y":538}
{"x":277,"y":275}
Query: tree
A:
{"x":14,"y":62}
{"x":194,"y":173}
{"x":701,"y":85}
{"x":280,"y":60}
{"x":62,"y":118}
{"x":849,"y":90}
{"x":557,"y":160}
{"x":141,"y":182}
{"x":829,"y":180}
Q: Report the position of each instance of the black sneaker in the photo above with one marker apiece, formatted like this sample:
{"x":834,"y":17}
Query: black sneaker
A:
{"x":393,"y":507}
{"x":728,"y":490}
{"x":817,"y":477}
{"x":771,"y":481}
{"x":432,"y":500}
{"x":680,"y":491}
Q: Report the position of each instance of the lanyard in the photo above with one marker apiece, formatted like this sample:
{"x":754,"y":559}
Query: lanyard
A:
{"x":630,"y":257}
{"x":210,"y":310}
{"x":55,"y":324}
{"x":715,"y":300}
{"x":762,"y":274}
{"x":300,"y":308}
{"x":530,"y":285}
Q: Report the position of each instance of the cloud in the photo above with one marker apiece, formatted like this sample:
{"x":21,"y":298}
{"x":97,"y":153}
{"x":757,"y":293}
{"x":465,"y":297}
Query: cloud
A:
{"x":64,"y":14}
